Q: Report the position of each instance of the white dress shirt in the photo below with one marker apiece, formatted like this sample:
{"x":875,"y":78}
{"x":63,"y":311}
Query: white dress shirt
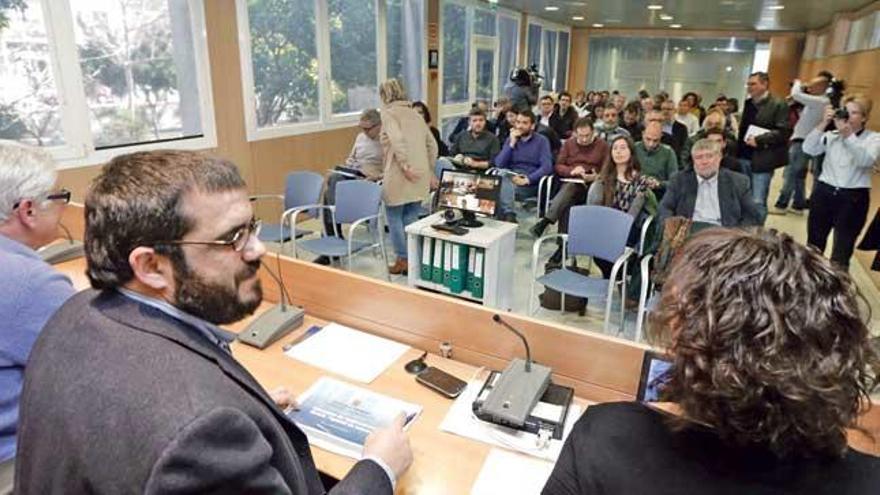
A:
{"x":707,"y":208}
{"x":690,"y":121}
{"x":848,"y":162}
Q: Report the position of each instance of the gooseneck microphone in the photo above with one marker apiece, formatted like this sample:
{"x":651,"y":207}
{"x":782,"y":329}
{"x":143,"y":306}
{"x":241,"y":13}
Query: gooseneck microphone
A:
{"x":497,"y":319}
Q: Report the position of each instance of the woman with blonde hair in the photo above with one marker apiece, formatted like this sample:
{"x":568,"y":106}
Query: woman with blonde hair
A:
{"x":410,"y":152}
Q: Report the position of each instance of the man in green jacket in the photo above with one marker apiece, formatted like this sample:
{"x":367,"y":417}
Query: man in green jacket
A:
{"x":657,"y":160}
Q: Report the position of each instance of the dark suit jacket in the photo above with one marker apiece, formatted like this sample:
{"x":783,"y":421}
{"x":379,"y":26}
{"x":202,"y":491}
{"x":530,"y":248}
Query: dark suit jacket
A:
{"x":121,"y":398}
{"x":734,"y":198}
{"x":677,"y":139}
{"x":772,"y":150}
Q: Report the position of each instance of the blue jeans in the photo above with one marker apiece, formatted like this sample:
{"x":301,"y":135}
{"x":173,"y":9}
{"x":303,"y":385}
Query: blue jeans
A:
{"x":442,"y":164}
{"x":794,"y":178}
{"x":510,"y":192}
{"x":760,"y":191}
{"x":398,"y":218}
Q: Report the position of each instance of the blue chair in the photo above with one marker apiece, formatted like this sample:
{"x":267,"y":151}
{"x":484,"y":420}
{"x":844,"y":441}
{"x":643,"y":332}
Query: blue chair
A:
{"x":594,"y":231}
{"x":358,"y":202}
{"x":300,"y":189}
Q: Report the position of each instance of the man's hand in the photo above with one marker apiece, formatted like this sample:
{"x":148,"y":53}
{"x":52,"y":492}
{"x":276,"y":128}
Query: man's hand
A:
{"x":410,"y":175}
{"x":652,"y":182}
{"x":590,"y":176}
{"x":391,"y":444}
{"x":578,"y":171}
{"x":520,"y":180}
{"x":750,"y":141}
{"x":514,"y":136}
{"x":282,"y":398}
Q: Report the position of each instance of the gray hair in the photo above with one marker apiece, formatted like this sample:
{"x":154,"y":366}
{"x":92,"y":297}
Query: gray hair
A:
{"x":706,"y":145}
{"x":25,"y":172}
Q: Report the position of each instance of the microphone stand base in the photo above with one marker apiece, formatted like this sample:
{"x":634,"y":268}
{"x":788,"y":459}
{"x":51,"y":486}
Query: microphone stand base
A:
{"x":272,"y":325}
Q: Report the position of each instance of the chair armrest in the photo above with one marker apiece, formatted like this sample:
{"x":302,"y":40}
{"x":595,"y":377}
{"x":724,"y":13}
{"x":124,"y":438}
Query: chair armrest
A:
{"x":360,"y":221}
{"x":627,"y":253}
{"x":299,"y":209}
{"x":536,"y":250}
{"x":646,"y":225}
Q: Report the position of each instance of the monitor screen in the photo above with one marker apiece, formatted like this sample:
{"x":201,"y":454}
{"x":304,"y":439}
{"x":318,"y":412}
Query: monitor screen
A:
{"x":469,"y":191}
{"x":654,"y":368}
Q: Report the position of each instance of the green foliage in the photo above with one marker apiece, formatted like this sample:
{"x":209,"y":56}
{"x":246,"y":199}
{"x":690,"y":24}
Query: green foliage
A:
{"x":285,"y":61}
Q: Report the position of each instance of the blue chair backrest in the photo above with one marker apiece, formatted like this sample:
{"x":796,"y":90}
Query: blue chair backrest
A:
{"x":302,"y":188}
{"x":598,"y":231}
{"x":357,"y":199}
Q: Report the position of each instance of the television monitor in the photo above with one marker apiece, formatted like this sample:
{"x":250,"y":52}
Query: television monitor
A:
{"x":654,"y":369}
{"x":471,"y":193}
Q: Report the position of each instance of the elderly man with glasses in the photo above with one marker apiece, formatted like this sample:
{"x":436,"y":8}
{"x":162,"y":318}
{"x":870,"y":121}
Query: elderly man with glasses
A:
{"x":30,"y":290}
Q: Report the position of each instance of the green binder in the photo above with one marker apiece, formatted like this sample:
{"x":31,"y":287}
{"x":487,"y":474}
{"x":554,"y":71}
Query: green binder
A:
{"x":437,"y":263}
{"x":459,"y":268}
{"x":447,"y":263}
{"x":427,"y":258}
{"x":469,"y":282}
{"x":478,"y":274}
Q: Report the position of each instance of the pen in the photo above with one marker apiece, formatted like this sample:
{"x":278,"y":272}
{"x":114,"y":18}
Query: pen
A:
{"x":312,"y":330}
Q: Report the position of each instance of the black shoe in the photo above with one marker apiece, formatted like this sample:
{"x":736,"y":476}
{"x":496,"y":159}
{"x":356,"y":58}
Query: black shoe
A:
{"x":556,"y":258}
{"x":322,"y":260}
{"x":537,"y":230}
{"x":509,"y":217}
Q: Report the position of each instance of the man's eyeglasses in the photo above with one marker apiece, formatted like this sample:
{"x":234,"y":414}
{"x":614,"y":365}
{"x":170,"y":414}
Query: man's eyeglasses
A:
{"x":63,"y":196}
{"x":238,"y":241}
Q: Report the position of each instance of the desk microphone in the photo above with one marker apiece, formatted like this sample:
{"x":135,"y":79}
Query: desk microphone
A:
{"x":62,"y":251}
{"x":517,"y":390}
{"x":497,"y":319}
{"x":277,"y":322}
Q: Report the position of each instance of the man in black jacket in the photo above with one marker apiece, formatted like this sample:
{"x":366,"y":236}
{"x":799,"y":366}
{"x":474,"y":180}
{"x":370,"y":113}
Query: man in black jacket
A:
{"x":675,"y":132}
{"x":708,"y":193}
{"x":132,"y":388}
{"x":762,"y":145}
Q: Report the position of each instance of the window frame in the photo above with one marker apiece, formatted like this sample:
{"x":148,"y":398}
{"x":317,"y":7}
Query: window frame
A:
{"x":75,"y":122}
{"x":545,"y":26}
{"x":327,"y":120}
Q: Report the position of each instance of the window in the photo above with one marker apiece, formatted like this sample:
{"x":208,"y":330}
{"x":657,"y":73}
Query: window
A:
{"x":310,"y":65}
{"x":548,"y":68}
{"x":406,"y":44}
{"x":484,"y":22}
{"x":562,"y":63}
{"x":508,"y":42}
{"x":548,"y":46}
{"x":131,"y":74}
{"x":456,"y":53}
{"x":534,"y":48}
{"x":284,"y":58}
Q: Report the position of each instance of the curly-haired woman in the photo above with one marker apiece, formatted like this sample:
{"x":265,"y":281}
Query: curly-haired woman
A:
{"x":771,"y":366}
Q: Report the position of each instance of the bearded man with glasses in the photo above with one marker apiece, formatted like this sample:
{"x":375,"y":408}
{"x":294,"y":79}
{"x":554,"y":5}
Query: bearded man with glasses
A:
{"x":137,"y":377}
{"x":30,"y":290}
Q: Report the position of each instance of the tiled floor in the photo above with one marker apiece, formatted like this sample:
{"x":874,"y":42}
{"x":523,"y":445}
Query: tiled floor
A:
{"x":371,"y":264}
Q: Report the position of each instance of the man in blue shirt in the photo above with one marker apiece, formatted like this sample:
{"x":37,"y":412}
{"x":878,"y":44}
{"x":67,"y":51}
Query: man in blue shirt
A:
{"x":31,"y":290}
{"x":526,"y":157}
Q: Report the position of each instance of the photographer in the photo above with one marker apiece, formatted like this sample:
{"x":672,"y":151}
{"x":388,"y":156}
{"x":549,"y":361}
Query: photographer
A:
{"x":840,"y":199}
{"x":523,"y":88}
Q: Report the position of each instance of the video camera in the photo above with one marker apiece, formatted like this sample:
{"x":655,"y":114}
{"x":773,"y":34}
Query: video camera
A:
{"x":530,"y":77}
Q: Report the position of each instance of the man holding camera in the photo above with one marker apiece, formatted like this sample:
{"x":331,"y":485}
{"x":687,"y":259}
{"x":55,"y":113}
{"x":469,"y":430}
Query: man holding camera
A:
{"x":841,"y":198}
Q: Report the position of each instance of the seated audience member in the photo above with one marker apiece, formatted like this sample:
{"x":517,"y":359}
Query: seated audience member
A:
{"x":647,"y":103}
{"x":567,"y":116}
{"x":30,"y":209}
{"x":727,"y":161}
{"x":527,"y":157}
{"x":464,"y":122}
{"x":422,"y":109}
{"x":841,"y":199}
{"x":656,"y":159}
{"x":708,"y":193}
{"x":714,"y":120}
{"x":695,"y":100}
{"x":581,"y":158}
{"x":632,"y":120}
{"x":474,"y":149}
{"x":503,"y":127}
{"x":609,"y":128}
{"x":619,"y":102}
{"x":675,"y":134}
{"x":366,"y":159}
{"x":621,"y":186}
{"x":172,"y":252}
{"x":686,"y":118}
{"x":549,"y":116}
{"x":552,"y":136}
{"x":498,"y":114}
{"x":581,"y":104}
{"x":771,"y":365}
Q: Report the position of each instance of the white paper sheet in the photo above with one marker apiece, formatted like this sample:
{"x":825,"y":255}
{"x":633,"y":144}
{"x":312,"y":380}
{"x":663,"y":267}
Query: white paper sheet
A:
{"x":755,"y":131}
{"x":511,"y":474}
{"x":348,"y":352}
{"x":460,"y":420}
